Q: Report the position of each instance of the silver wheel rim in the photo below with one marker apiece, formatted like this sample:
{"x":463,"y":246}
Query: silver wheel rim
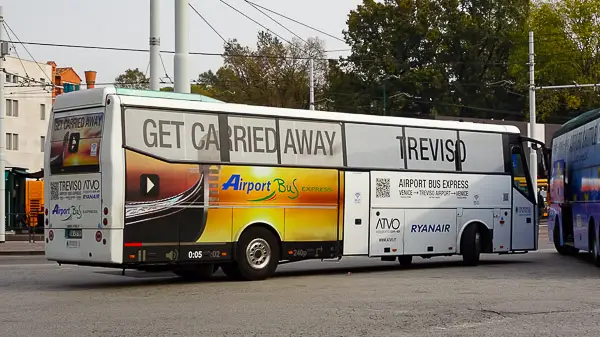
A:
{"x":258,"y":253}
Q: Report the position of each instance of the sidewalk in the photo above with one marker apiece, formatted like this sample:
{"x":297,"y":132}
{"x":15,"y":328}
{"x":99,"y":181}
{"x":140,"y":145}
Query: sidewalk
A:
{"x":22,"y":248}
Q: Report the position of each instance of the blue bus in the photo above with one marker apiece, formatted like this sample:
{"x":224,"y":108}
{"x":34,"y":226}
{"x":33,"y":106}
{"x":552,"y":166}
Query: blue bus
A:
{"x":574,"y":214}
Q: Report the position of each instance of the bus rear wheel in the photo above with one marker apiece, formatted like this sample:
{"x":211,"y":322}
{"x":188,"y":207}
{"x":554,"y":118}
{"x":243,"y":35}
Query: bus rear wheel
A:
{"x":257,"y":254}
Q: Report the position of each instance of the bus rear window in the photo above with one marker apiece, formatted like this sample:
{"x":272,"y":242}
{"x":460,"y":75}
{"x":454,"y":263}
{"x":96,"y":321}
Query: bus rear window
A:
{"x":75,"y":143}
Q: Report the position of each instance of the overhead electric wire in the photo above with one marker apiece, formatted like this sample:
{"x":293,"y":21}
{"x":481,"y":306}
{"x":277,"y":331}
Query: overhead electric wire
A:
{"x":27,"y":50}
{"x":164,"y":68}
{"x":60,"y":45}
{"x":296,"y":21}
{"x":269,"y":30}
{"x":208,"y":23}
{"x":277,"y":22}
{"x":16,"y":51}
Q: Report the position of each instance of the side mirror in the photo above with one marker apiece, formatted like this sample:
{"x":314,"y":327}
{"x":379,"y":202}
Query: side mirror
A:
{"x":545,"y":160}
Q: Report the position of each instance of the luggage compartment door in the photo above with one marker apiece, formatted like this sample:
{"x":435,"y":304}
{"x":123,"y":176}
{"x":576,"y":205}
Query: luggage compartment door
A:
{"x":356,"y":213}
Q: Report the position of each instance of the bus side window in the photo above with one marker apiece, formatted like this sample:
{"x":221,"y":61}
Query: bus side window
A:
{"x":519,"y":171}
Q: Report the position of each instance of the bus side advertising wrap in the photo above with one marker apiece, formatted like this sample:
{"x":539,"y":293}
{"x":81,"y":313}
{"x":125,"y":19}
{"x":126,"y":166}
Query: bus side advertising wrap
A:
{"x":169,"y":204}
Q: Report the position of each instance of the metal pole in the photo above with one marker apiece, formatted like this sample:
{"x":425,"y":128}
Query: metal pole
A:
{"x":532,"y":116}
{"x":154,"y":44}
{"x":312,"y":84}
{"x":569,"y":86}
{"x":384,"y":98}
{"x":182,"y":83}
{"x":2,"y":135}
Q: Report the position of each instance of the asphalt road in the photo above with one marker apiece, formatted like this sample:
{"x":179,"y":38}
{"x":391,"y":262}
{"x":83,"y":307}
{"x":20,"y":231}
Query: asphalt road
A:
{"x":535,"y":294}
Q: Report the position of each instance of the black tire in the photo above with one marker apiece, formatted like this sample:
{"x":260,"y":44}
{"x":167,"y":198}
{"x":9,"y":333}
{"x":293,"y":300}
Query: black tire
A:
{"x":562,"y":250}
{"x":470,"y":245}
{"x":405,"y":260}
{"x":593,"y":243}
{"x":199,"y":272}
{"x":257,"y":254}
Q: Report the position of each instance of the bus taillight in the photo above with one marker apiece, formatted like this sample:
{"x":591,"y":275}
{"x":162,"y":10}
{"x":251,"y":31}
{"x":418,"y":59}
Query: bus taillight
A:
{"x":98,"y":236}
{"x":46,"y":212}
{"x":105,"y":210}
{"x":105,"y":221}
{"x":51,"y":235}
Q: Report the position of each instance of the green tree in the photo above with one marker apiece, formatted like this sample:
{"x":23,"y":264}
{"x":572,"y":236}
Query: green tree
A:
{"x":194,"y":89}
{"x":132,"y":79}
{"x":567,"y":51}
{"x":395,"y":49}
{"x":274,"y":74}
{"x":428,"y":57}
{"x":479,"y":39}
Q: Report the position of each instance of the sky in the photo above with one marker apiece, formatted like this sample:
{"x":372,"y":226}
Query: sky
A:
{"x":126,"y":23}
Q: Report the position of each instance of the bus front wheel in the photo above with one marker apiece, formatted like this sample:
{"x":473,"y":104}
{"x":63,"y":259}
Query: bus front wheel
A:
{"x":257,"y":254}
{"x":594,"y":244}
{"x":562,"y":250}
{"x":470,"y":245}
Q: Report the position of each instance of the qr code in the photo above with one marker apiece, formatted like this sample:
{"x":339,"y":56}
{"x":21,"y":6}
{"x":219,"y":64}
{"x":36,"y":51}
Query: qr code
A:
{"x":382,"y":188}
{"x":54,"y":191}
{"x":505,"y":197}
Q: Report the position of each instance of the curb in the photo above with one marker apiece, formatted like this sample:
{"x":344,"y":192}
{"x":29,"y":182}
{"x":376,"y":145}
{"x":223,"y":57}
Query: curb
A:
{"x":22,"y":252}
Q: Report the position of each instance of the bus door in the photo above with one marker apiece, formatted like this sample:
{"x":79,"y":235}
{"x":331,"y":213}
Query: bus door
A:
{"x":525,"y":213}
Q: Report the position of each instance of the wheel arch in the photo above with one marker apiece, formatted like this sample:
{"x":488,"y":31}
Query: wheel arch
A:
{"x":486,"y":235}
{"x":261,"y":224}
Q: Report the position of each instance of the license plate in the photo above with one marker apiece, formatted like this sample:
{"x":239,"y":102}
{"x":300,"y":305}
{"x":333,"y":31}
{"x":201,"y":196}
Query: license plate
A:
{"x":73,"y":233}
{"x":72,"y":244}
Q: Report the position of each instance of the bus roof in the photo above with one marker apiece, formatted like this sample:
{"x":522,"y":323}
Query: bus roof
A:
{"x":166,"y":94}
{"x":578,"y":121}
{"x":97,"y":96}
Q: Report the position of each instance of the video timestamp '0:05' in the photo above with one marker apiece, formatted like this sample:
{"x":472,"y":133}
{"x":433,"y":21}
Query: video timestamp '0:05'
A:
{"x":198,"y":254}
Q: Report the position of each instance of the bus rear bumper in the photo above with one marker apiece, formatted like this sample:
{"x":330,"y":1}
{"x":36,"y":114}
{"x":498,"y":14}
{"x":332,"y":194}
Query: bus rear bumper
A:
{"x":93,"y":246}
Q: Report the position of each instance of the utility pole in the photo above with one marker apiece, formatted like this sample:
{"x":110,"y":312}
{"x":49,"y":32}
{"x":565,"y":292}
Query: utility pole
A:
{"x":3,"y":52}
{"x":182,"y":36}
{"x":312,"y":84}
{"x":154,"y":44}
{"x":533,"y":162}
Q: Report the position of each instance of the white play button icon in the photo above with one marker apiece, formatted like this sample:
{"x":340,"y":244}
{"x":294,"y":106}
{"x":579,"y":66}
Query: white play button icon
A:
{"x":149,"y":185}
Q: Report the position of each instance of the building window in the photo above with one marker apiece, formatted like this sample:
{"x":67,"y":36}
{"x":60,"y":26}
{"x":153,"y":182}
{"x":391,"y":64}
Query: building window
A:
{"x":43,"y":142}
{"x":10,"y":78}
{"x":12,"y":107}
{"x":43,"y":111}
{"x":12,"y":141}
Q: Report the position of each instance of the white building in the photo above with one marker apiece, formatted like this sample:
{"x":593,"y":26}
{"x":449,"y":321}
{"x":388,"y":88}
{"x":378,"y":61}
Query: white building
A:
{"x":27,"y":112}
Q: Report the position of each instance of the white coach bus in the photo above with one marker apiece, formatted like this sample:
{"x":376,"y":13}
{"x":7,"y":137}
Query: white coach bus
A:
{"x":161,"y":181}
